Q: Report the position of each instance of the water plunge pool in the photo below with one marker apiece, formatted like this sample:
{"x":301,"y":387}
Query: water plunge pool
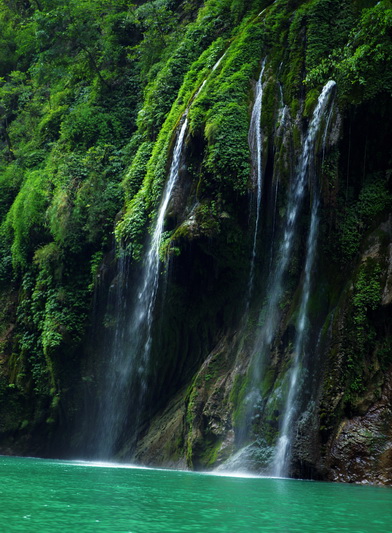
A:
{"x":45,"y":496}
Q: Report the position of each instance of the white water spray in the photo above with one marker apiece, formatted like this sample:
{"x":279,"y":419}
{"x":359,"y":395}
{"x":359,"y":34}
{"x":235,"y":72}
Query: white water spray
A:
{"x":255,"y":141}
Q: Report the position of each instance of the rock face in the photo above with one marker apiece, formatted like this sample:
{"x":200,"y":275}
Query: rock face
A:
{"x":356,"y":395}
{"x":387,"y":291}
{"x":163,"y":443}
{"x":361,"y":449}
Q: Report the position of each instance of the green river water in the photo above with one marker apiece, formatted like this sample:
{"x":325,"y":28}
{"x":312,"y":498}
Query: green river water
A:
{"x":59,"y":496}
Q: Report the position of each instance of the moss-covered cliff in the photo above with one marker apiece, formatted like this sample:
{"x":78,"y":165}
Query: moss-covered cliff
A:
{"x":92,"y":94}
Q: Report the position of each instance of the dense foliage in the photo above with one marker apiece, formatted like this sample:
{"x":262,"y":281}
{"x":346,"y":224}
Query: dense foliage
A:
{"x":91,"y":96}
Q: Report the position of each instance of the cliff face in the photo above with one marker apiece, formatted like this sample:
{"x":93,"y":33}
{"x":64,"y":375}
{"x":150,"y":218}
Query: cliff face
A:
{"x":243,"y":317}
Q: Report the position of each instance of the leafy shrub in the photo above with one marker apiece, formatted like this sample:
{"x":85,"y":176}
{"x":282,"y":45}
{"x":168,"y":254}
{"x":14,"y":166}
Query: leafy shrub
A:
{"x":355,"y":219}
{"x":26,"y":217}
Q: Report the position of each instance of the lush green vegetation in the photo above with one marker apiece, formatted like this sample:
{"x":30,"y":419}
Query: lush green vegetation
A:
{"x":92,"y":93}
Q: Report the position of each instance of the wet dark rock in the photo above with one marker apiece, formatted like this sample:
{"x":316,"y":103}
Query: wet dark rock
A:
{"x":361,"y":449}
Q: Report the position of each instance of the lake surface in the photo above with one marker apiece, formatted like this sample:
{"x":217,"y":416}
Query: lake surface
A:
{"x":44,"y":496}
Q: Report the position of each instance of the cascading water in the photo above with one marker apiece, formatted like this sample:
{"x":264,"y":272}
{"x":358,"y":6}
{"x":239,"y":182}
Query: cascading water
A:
{"x":109,"y":414}
{"x":143,"y":313}
{"x":132,"y":342}
{"x":126,"y":377}
{"x":271,"y":312}
{"x":281,"y":459}
{"x":282,"y":454}
{"x":255,"y":145}
{"x":283,"y":117}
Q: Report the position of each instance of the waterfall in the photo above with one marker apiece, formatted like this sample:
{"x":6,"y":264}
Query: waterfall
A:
{"x":255,"y":145}
{"x":143,"y":312}
{"x":131,"y":346}
{"x":282,"y":454}
{"x":296,"y":194}
{"x":114,"y":393}
{"x":271,"y":312}
{"x":282,"y":119}
{"x":129,"y":357}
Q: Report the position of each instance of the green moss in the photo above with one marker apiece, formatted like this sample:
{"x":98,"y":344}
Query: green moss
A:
{"x":296,"y":137}
{"x":237,"y":397}
{"x":270,"y":104}
{"x":24,"y":424}
{"x":329,"y":22}
{"x":190,"y":415}
{"x":353,"y":220}
{"x":357,"y":60}
{"x":209,"y":453}
{"x":25,"y":219}
{"x":310,"y":102}
{"x":136,"y":172}
{"x":360,"y":342}
{"x":296,"y":40}
{"x":267,"y":382}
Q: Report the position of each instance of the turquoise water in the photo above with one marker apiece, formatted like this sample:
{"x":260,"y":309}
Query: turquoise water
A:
{"x":48,"y":496}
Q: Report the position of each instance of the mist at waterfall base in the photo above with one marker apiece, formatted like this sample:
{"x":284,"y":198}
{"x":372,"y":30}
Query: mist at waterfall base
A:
{"x":88,"y":497}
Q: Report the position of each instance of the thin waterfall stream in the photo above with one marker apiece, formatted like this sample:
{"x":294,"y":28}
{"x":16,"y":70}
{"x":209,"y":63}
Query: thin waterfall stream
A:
{"x":126,"y":377}
{"x":271,"y":312}
{"x":283,"y":117}
{"x":281,"y":460}
{"x":282,"y":454}
{"x":131,"y":348}
{"x":255,"y":144}
{"x":275,"y":289}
